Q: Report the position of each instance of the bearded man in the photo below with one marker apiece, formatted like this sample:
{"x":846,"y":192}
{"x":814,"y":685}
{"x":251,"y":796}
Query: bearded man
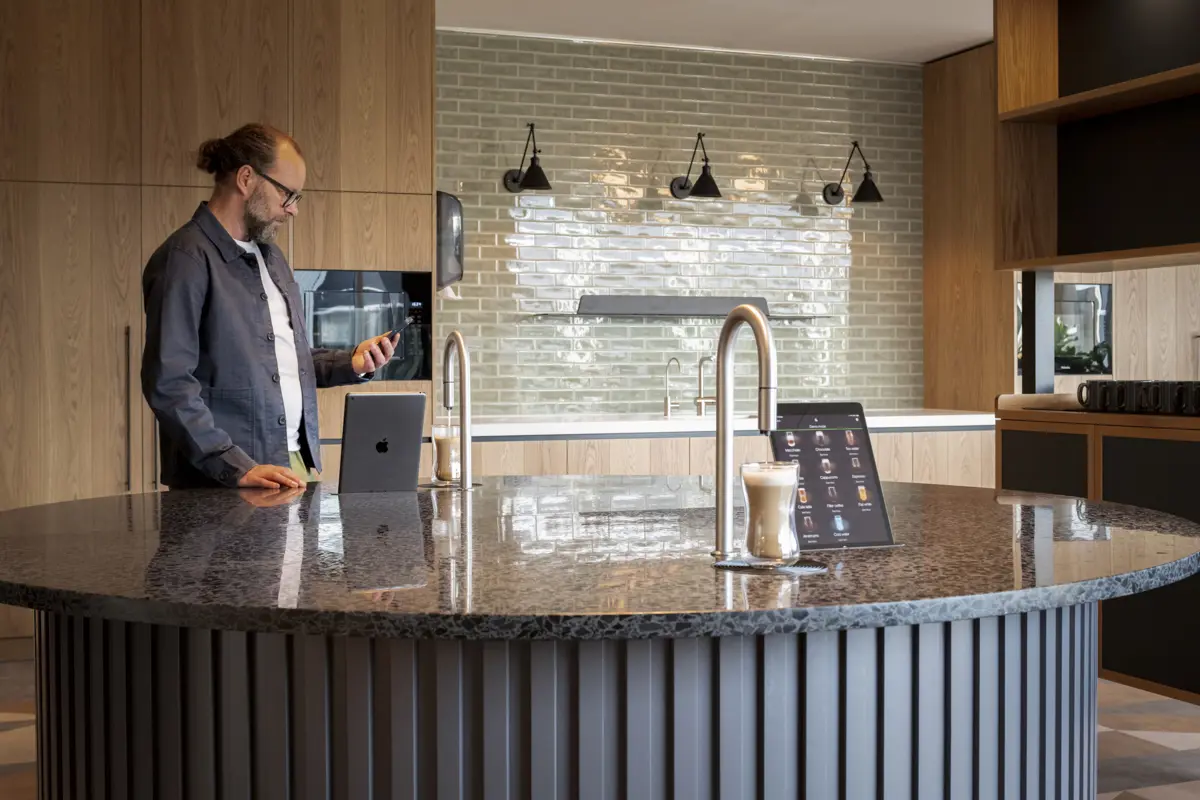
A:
{"x":227,"y":368}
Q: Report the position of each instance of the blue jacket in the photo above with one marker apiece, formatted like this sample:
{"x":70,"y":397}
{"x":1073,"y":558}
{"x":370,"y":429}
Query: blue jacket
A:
{"x":208,"y":369}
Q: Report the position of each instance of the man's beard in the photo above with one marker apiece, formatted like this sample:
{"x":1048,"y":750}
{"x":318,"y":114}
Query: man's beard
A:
{"x":261,"y":227}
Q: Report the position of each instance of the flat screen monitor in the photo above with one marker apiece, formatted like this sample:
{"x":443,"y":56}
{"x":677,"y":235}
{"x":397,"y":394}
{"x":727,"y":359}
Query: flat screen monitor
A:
{"x":839,"y":502}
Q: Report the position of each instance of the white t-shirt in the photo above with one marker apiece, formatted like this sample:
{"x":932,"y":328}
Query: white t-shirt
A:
{"x":285,"y":350}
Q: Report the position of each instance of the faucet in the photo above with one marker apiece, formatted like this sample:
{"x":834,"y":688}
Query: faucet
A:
{"x":668,"y":403}
{"x":456,"y":346}
{"x":703,"y":401}
{"x":767,"y":384}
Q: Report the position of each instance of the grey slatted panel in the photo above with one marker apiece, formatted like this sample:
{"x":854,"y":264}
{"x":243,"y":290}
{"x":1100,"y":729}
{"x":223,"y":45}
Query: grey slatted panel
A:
{"x":1078,"y":695}
{"x":1065,"y":622}
{"x":271,"y":737}
{"x":118,"y":707}
{"x":692,"y":685}
{"x":646,"y":773}
{"x":495,"y":708}
{"x":780,"y":714}
{"x":544,"y":759}
{"x":40,"y":684}
{"x":568,"y":721}
{"x":599,"y":687}
{"x":168,"y":712}
{"x":1030,"y":702}
{"x":233,"y":716}
{"x":989,"y":718}
{"x":473,"y":720}
{"x":1049,"y":704}
{"x":80,"y":723}
{"x":50,"y":720}
{"x":200,"y":758}
{"x":737,"y":715}
{"x":141,"y":710}
{"x":395,"y":719}
{"x":350,"y":718}
{"x":1014,"y":654}
{"x":61,"y":709}
{"x":429,"y":684}
{"x":98,"y":714}
{"x":821,"y":716}
{"x":449,"y":720}
{"x":931,"y":704}
{"x":962,"y":710}
{"x":1090,"y":613}
{"x":862,"y":701}
{"x":897,"y":713}
{"x":310,"y":717}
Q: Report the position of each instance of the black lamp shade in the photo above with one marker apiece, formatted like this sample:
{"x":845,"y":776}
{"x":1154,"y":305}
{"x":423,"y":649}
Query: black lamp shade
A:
{"x":535,"y":176}
{"x":705,"y":185}
{"x":868,"y":192}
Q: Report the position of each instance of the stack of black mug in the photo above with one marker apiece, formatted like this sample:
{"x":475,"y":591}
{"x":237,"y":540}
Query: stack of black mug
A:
{"x":1141,"y":397}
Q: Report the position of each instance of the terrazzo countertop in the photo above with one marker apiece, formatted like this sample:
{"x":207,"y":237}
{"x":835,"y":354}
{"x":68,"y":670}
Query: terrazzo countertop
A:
{"x":562,"y":557}
{"x":684,"y":422}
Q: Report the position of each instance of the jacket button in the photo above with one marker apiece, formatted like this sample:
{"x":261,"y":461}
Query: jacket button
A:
{"x":282,"y":419}
{"x":224,"y":476}
{"x":262,"y":295}
{"x":275,"y":378}
{"x":270,"y":337}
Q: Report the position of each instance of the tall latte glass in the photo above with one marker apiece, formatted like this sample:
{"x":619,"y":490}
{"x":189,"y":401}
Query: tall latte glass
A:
{"x":770,"y":492}
{"x":447,"y":458}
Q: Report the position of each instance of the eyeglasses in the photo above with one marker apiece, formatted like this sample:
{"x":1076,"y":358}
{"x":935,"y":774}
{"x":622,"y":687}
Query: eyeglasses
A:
{"x":290,"y":196}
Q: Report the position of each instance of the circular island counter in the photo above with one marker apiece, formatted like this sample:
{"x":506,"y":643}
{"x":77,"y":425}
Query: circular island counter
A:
{"x":567,"y":637}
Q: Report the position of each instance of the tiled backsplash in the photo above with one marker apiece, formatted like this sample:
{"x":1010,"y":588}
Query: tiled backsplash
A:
{"x":615,"y":124}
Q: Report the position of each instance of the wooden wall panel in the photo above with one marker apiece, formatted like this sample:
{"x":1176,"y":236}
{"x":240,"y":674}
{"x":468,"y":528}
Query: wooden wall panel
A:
{"x":208,"y":66}
{"x":588,"y":457}
{"x":1130,"y":333}
{"x":1026,"y":33}
{"x":331,"y":403}
{"x":931,"y":458}
{"x":69,"y":91}
{"x":410,"y":93}
{"x":342,"y":230}
{"x":1187,"y":323}
{"x":339,"y":92}
{"x":969,"y":314}
{"x":1026,"y":191}
{"x":1160,"y":322}
{"x":893,"y":456}
{"x":410,"y":233}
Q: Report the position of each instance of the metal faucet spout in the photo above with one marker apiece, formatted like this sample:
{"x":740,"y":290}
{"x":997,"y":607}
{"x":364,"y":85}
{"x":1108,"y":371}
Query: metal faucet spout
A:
{"x":768,"y":382}
{"x":456,"y":348}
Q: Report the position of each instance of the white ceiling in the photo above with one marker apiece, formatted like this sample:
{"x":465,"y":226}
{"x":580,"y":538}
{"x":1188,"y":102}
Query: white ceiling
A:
{"x":908,"y":31}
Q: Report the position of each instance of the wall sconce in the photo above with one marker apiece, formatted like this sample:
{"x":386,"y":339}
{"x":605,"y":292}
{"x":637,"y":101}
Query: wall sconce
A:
{"x":682,"y":188}
{"x":533,"y":178}
{"x":867,"y":192}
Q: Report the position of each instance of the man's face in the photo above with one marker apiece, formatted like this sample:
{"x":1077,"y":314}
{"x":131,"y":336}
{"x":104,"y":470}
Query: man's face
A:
{"x":265,"y":211}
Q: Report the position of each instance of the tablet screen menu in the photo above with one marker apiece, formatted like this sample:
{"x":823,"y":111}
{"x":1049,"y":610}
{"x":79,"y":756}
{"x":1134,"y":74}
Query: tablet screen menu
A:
{"x":838,"y":502}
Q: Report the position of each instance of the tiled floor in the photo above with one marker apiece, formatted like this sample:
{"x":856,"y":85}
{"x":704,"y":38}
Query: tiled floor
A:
{"x":1149,"y":745}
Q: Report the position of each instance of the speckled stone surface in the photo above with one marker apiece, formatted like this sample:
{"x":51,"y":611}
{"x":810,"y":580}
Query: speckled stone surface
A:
{"x":569,"y":557}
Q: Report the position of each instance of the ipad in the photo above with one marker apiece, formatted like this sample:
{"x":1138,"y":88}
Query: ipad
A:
{"x":381,"y":442}
{"x":838,"y":502}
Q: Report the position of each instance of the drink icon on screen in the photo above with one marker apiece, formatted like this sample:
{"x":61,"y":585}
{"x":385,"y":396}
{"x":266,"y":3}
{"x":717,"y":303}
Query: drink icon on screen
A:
{"x":791,"y":438}
{"x":831,"y":490}
{"x":802,"y":493}
{"x":862,"y":493}
{"x":838,"y":523}
{"x":808,"y":523}
{"x":820,"y":438}
{"x":826,"y":466}
{"x":854,"y":462}
{"x":850,"y":438}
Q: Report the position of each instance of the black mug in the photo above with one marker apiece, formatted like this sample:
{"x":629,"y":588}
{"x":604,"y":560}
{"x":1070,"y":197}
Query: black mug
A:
{"x":1124,"y":396}
{"x":1174,"y":397}
{"x":1149,"y":397}
{"x":1094,"y":395}
{"x":1191,"y":398}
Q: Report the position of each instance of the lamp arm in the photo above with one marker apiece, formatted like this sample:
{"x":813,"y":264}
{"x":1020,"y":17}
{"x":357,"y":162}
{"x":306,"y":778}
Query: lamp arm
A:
{"x":699,"y":142}
{"x":525,"y":152}
{"x":853,"y":147}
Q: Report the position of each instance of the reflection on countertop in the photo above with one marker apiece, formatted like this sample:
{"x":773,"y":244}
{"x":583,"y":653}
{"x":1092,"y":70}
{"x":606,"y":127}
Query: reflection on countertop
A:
{"x":566,"y":557}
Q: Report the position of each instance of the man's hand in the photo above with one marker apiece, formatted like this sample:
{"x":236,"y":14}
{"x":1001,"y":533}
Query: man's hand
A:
{"x":269,"y":476}
{"x":373,"y":353}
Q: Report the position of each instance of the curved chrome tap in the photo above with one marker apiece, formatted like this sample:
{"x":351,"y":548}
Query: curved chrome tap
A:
{"x":767,"y":384}
{"x":702,"y":401}
{"x":456,"y":346}
{"x":668,"y":404}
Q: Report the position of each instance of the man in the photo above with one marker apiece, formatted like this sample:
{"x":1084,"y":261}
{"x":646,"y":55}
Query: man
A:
{"x":227,"y":368}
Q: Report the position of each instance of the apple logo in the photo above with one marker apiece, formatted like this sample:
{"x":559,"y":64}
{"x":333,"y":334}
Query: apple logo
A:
{"x":381,"y":447}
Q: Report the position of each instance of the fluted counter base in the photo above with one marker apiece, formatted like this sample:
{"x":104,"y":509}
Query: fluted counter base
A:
{"x":976,"y":708}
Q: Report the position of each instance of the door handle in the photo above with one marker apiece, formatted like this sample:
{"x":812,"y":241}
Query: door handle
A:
{"x":128,"y":408}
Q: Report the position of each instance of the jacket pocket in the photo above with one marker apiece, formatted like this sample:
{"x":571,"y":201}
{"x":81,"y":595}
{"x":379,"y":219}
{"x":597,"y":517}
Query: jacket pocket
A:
{"x":233,"y":412}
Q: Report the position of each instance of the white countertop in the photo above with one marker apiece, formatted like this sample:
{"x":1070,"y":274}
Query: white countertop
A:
{"x":594,"y":426}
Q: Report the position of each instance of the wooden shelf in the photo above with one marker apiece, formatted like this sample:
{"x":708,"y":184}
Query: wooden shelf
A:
{"x":1176,"y":255}
{"x":1145,"y":91}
